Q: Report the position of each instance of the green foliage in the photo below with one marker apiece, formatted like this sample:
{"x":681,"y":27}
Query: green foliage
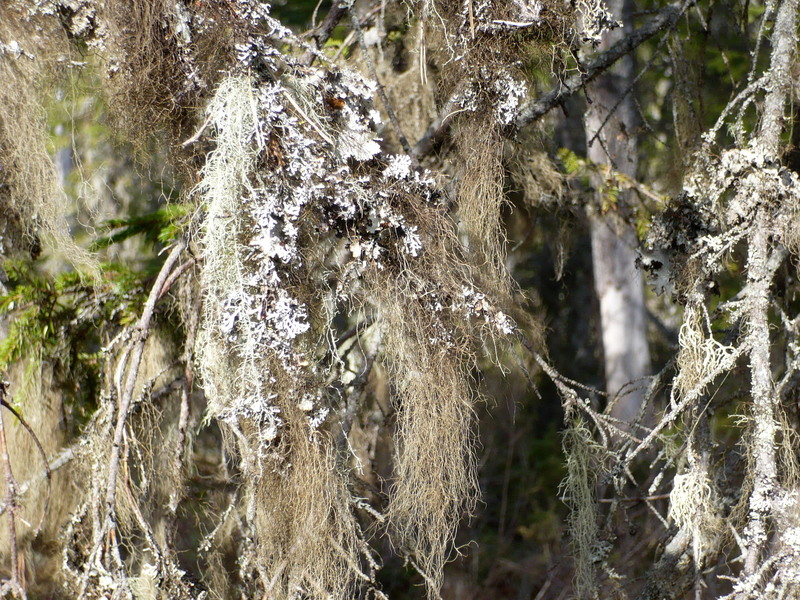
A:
{"x":66,"y":319}
{"x":572,"y":162}
{"x":161,"y":226}
{"x":297,"y":13}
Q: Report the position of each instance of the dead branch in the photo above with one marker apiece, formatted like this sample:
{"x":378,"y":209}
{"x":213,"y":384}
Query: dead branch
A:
{"x":30,"y":431}
{"x":324,"y":31}
{"x":15,"y":583}
{"x":141,"y":333}
{"x":765,"y":399}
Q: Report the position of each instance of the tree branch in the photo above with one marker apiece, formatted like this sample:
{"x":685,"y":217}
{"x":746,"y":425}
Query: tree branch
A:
{"x":30,"y":431}
{"x":327,"y":26}
{"x":665,"y":19}
{"x":765,"y":400}
{"x":142,"y":331}
{"x":11,"y":502}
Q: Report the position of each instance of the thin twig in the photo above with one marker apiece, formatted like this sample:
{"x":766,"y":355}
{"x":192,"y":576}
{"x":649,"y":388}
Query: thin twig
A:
{"x":359,"y":385}
{"x":11,"y":499}
{"x":381,"y":92}
{"x":308,"y":119}
{"x":197,"y":133}
{"x":186,"y":393}
{"x":178,"y":272}
{"x":62,"y":458}
{"x":315,"y":13}
{"x":141,"y":333}
{"x":30,"y":431}
{"x":437,"y":129}
{"x":330,"y":22}
{"x":636,"y":499}
{"x":144,"y":526}
{"x":626,"y":93}
{"x":471,"y":20}
{"x":685,"y":402}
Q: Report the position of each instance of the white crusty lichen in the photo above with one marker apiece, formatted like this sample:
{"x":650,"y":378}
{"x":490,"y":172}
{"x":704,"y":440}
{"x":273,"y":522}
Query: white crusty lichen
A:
{"x":399,"y":167}
{"x":351,"y":116}
{"x":511,"y":92}
{"x":287,"y":146}
{"x":530,"y":11}
{"x":593,"y":20}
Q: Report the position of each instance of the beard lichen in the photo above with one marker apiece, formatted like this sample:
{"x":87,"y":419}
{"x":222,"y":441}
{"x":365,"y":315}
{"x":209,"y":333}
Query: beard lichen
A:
{"x":306,"y":218}
{"x":33,"y":54}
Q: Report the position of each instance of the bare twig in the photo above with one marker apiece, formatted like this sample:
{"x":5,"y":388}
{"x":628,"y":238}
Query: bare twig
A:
{"x":381,"y":92}
{"x":15,"y":583}
{"x":197,"y":133}
{"x":208,"y":540}
{"x":30,"y":431}
{"x":62,"y":458}
{"x":176,"y":274}
{"x":186,"y":392}
{"x":437,"y":129}
{"x":325,"y":29}
{"x":359,"y":385}
{"x":626,"y":94}
{"x":687,"y":400}
{"x":311,"y":121}
{"x":635,"y":499}
{"x":144,"y":526}
{"x":141,"y":333}
{"x":471,"y":20}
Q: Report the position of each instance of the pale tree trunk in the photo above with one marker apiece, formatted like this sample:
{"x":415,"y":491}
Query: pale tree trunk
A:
{"x":610,"y":123}
{"x":766,"y":490}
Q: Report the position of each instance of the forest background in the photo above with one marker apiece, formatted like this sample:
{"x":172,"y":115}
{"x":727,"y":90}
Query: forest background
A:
{"x":459,"y":299}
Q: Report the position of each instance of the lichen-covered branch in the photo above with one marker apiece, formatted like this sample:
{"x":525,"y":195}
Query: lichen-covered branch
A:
{"x":666,"y":18}
{"x":766,"y":486}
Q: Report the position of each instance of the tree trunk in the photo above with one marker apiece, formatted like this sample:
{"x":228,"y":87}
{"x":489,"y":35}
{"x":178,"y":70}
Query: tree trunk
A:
{"x":611,"y":140}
